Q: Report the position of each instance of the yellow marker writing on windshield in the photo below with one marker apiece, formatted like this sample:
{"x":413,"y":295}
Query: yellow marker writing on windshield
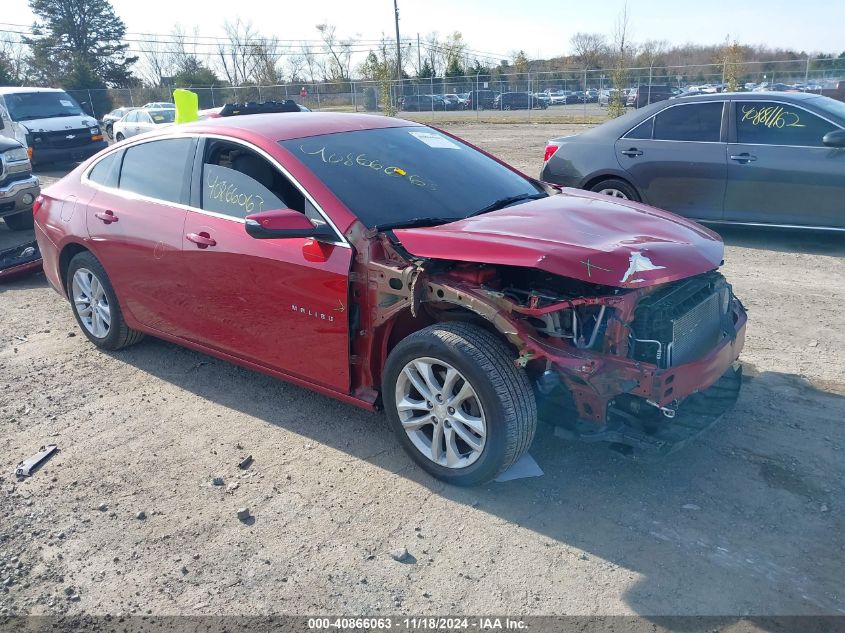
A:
{"x":397,"y":170}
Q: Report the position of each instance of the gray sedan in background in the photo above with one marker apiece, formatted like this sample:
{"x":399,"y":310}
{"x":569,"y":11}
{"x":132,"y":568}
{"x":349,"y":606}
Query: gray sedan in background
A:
{"x":747,"y":158}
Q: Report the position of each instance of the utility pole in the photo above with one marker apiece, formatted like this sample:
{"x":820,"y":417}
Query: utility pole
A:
{"x":419,"y":59}
{"x":398,"y":49}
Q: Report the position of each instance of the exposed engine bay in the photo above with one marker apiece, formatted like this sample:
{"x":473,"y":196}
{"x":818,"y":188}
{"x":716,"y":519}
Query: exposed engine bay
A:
{"x":592,"y":350}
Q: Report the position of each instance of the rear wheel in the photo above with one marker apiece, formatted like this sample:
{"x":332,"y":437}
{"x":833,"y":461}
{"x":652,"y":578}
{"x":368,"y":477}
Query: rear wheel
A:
{"x":95,"y":304}
{"x":20,"y":221}
{"x":109,"y":131}
{"x":119,"y":137}
{"x":616,"y":188}
{"x":457,"y":402}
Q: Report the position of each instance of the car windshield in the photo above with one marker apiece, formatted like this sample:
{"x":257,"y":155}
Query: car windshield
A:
{"x":409,"y":175}
{"x":162,"y":116}
{"x":26,"y":106}
{"x":830,"y":106}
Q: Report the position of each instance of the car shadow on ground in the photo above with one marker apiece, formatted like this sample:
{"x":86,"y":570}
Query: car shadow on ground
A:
{"x":737,"y":522}
{"x":783,"y":240}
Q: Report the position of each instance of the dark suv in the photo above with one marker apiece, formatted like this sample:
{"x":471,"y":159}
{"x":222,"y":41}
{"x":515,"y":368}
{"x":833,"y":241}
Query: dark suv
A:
{"x":18,"y":191}
{"x":481,"y":99}
{"x":519,"y":101}
{"x":652,"y":94}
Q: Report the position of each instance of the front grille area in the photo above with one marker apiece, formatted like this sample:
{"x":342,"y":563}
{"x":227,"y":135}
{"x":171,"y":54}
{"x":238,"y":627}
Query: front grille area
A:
{"x":63,"y":139}
{"x":682,"y":321}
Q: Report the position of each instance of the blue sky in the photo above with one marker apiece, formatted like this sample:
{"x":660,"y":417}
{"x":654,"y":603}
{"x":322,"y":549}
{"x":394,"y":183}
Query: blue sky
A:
{"x":540,"y":27}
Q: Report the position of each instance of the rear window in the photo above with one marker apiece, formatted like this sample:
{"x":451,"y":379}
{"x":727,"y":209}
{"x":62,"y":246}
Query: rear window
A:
{"x":393,"y":175}
{"x":106,"y":171}
{"x":157,"y":169}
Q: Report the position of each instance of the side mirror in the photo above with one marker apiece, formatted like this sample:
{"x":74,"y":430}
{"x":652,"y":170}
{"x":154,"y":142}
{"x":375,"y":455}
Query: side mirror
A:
{"x":283,"y":223}
{"x":834,"y":139}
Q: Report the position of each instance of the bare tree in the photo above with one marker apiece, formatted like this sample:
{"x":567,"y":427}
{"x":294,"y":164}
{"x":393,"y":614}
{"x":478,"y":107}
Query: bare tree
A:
{"x":156,"y":62}
{"x":13,"y":59}
{"x":338,"y":53}
{"x":621,"y":48}
{"x":237,"y":54}
{"x":309,"y":59}
{"x":589,"y":48}
{"x":266,"y":62}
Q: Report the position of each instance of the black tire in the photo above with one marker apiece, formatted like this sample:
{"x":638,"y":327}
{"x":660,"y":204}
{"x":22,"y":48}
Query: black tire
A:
{"x":20,"y":221}
{"x":119,"y":137}
{"x":119,"y":334}
{"x":109,"y":131}
{"x":503,"y":390}
{"x":619,"y":185}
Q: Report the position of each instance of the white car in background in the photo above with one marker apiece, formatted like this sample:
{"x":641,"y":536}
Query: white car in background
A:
{"x":143,"y":120}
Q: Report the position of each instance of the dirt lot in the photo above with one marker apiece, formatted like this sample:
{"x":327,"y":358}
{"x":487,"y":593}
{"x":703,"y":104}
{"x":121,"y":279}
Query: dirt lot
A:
{"x":747,"y":520}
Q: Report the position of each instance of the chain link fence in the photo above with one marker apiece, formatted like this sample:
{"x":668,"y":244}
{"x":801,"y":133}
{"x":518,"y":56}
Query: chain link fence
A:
{"x":575,"y":96}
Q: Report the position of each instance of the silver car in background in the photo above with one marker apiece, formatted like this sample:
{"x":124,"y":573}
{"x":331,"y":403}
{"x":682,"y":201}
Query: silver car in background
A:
{"x":143,"y":120}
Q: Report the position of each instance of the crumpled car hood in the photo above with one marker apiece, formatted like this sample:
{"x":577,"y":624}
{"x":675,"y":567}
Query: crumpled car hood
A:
{"x":576,"y":234}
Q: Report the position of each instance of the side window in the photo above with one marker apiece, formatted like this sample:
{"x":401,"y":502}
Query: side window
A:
{"x":236,"y":182}
{"x":144,"y":117}
{"x":642,"y":131}
{"x":157,"y":169}
{"x":770,"y":123}
{"x":132,"y":117}
{"x":690,"y":122}
{"x":106,"y":171}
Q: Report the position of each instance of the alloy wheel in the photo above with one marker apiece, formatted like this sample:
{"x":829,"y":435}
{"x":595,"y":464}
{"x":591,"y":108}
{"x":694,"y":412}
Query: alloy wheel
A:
{"x":441,"y":413}
{"x":613,"y":193}
{"x":91,"y":303}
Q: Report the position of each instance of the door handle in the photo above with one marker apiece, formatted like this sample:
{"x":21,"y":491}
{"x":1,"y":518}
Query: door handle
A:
{"x":106,"y":216}
{"x":632,"y":152}
{"x":745,"y":157}
{"x":202,"y":240}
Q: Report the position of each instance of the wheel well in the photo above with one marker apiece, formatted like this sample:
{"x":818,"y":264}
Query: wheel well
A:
{"x":404,"y":325}
{"x":67,"y":254}
{"x":597,"y":179}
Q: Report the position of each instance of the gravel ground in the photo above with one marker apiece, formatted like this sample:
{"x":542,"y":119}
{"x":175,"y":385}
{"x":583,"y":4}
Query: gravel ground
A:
{"x":125,"y":519}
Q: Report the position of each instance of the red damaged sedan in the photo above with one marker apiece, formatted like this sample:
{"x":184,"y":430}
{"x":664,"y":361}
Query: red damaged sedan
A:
{"x":393,"y":266}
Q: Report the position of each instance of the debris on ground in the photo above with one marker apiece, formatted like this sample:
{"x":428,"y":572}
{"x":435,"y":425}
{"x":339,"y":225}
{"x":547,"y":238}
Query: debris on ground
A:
{"x":245,"y":463}
{"x":28,"y":466}
{"x":243,"y":514}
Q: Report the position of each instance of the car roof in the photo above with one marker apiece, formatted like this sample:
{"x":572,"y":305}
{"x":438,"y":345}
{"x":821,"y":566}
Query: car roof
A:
{"x":284,"y":126}
{"x":8,"y":90}
{"x":746,"y":96}
{"x":620,"y":125}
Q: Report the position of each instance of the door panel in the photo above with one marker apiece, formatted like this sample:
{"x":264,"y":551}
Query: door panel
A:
{"x":683,"y":177}
{"x":280,"y":303}
{"x":137,"y":224}
{"x":141,"y":251}
{"x":779,"y":172}
{"x":678,"y":162}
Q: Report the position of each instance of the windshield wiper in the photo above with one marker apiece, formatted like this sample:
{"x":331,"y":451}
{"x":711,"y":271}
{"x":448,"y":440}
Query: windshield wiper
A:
{"x":413,"y":222}
{"x":506,"y":202}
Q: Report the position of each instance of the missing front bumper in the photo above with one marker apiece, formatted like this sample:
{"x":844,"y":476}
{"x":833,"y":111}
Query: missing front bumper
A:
{"x":651,"y":434}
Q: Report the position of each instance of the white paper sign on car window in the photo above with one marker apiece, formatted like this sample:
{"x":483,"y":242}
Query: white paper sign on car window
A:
{"x":432,"y":139}
{"x":66,"y":103}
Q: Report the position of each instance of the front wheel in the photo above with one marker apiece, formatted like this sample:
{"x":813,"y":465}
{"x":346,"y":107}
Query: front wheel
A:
{"x":458,"y":403}
{"x":616,"y":188}
{"x":119,"y":137}
{"x":95,"y":304}
{"x":20,"y":221}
